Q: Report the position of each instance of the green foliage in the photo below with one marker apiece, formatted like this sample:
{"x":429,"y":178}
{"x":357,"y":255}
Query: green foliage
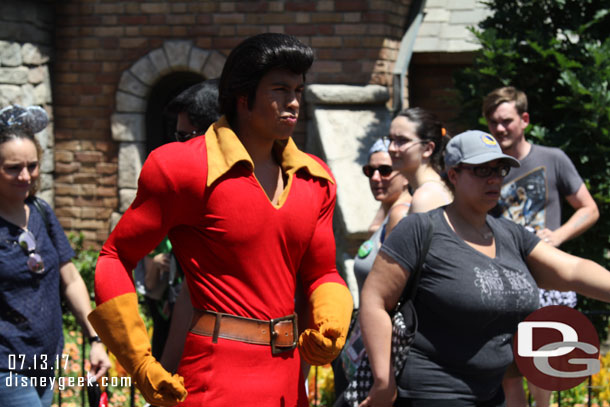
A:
{"x":84,"y":261}
{"x":558,"y":52}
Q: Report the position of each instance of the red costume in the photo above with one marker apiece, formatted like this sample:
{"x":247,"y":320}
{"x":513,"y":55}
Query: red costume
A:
{"x":241,"y":255}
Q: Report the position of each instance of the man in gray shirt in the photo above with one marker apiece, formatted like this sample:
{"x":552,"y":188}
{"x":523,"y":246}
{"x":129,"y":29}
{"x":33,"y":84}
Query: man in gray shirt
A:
{"x":531,"y":196}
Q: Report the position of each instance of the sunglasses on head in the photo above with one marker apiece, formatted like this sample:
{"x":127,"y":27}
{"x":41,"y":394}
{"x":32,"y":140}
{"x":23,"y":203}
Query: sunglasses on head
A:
{"x":185,"y":135}
{"x":484,"y":171}
{"x":384,"y":170}
{"x":27,"y":241}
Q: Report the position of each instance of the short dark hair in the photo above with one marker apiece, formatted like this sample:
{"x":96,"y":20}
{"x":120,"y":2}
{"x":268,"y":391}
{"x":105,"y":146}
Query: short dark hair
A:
{"x":429,"y":128}
{"x":252,"y":59}
{"x":199,"y":102}
{"x":506,"y":94}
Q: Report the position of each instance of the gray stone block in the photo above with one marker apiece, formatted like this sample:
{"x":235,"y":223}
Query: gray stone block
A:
{"x":131,"y":84}
{"x":9,"y":94}
{"x":35,"y":54}
{"x":41,"y":94}
{"x":213,"y":66}
{"x":131,"y":157}
{"x":145,"y":71}
{"x":14,"y":76}
{"x":126,"y":197}
{"x":346,"y":94}
{"x":197,"y":59}
{"x":47,"y":162}
{"x":177,"y":53}
{"x":129,"y":103}
{"x":114,"y":219}
{"x":28,"y":96}
{"x":36,"y":74}
{"x":10,"y":54}
{"x":46,"y":182}
{"x":127,"y":127}
{"x":159,"y":60}
{"x":48,"y":195}
{"x":45,"y":139}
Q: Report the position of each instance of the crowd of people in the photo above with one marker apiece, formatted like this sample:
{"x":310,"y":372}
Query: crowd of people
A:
{"x":247,"y":295}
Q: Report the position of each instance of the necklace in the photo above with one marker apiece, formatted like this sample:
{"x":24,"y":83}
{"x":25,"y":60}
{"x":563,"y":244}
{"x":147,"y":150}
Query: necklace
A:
{"x":486,"y":234}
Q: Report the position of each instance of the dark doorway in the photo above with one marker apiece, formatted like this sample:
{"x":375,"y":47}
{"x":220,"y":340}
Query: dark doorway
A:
{"x":159,"y":126}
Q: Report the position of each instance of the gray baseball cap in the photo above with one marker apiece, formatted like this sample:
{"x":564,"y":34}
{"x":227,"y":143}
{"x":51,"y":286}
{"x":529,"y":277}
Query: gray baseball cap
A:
{"x":475,"y":147}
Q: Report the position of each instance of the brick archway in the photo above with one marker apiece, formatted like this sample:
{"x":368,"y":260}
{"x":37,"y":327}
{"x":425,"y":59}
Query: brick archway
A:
{"x":128,"y":122}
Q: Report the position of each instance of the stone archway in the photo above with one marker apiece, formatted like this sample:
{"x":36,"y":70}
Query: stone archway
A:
{"x":128,"y":122}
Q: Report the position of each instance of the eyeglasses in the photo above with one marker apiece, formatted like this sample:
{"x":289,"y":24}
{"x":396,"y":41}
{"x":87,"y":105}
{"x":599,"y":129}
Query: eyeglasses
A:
{"x":485,"y":171}
{"x":400,"y":141}
{"x":185,"y":135}
{"x":384,"y":170}
{"x":27,"y":241}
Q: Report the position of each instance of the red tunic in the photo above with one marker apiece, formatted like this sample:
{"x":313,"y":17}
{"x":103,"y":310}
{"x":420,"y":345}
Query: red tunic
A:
{"x":241,"y":255}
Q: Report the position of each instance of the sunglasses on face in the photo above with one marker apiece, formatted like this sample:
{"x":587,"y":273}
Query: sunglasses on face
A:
{"x":384,"y":170}
{"x":28,"y":244}
{"x":185,"y":135}
{"x":485,"y":171}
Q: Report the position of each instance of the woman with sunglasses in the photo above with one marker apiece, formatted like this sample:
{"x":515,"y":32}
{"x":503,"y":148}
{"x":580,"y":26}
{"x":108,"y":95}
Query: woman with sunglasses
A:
{"x":415,"y":142}
{"x":35,"y":268}
{"x":389,"y":187}
{"x":479,"y":279}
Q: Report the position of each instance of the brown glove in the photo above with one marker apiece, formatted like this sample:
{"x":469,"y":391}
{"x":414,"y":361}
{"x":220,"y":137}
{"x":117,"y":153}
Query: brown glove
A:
{"x":331,"y":311}
{"x":119,"y":325}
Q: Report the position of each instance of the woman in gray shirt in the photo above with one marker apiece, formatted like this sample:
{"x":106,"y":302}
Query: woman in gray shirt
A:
{"x":478,"y":281}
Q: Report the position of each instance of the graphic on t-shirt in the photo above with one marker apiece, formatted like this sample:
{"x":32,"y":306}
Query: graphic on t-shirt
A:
{"x":523,"y":200}
{"x":503,"y":289}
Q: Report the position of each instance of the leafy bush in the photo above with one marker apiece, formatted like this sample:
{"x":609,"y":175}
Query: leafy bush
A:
{"x":84,"y":261}
{"x":558,"y":52}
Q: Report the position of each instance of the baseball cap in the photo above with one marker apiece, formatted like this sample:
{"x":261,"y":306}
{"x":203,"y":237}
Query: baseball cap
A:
{"x":475,"y":147}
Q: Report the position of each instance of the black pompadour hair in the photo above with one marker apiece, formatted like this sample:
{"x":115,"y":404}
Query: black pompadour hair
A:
{"x":199,"y":102}
{"x":249,"y":61}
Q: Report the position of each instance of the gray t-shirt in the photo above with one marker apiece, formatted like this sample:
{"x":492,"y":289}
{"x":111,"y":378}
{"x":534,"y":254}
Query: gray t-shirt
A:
{"x":468,"y":307}
{"x":531,"y":194}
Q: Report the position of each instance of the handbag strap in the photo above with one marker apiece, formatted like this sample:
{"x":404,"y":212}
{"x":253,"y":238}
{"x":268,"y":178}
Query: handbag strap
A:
{"x":43,"y":213}
{"x":411,"y":287}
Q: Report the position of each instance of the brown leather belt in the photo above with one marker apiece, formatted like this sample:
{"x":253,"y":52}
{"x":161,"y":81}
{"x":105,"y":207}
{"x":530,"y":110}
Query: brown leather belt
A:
{"x":280,"y":333}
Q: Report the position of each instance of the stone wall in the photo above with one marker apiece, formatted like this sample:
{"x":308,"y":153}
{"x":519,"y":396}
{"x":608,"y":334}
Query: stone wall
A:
{"x":355,"y":41}
{"x":26,"y":38}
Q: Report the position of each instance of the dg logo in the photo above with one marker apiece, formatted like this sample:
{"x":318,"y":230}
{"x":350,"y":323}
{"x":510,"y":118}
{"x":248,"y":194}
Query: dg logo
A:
{"x":556,"y":348}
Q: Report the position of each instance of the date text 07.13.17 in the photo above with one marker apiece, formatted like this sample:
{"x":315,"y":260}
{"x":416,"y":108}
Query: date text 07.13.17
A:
{"x":21,"y":362}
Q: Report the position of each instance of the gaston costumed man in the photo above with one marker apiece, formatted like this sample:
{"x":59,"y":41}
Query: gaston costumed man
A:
{"x":249,"y":216}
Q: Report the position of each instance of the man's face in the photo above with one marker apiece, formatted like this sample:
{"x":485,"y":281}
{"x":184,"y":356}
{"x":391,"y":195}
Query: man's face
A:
{"x":507,"y":125}
{"x":275,"y":110}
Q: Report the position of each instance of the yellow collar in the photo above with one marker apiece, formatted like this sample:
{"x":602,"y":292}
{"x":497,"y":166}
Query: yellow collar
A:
{"x":225,"y":150}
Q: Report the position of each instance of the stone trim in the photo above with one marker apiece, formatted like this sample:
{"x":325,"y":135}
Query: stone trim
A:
{"x":128,"y":123}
